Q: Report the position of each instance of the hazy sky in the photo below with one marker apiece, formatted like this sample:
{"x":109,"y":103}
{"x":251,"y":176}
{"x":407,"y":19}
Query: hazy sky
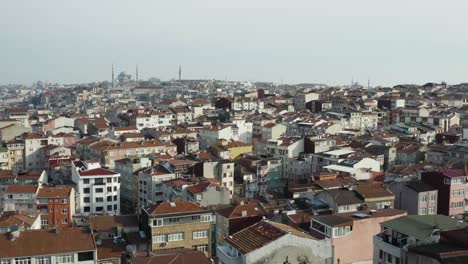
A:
{"x":398,"y":41}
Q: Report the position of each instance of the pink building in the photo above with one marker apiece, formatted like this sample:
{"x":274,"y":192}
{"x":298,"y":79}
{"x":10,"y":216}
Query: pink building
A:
{"x":352,"y":233}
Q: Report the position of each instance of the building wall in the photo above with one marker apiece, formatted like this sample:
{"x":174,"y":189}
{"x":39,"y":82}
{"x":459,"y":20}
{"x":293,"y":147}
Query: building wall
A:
{"x":346,"y":250}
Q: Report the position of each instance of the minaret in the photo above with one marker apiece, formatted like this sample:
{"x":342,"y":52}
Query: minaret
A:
{"x":112,"y":75}
{"x":136,"y":73}
{"x":180,"y":73}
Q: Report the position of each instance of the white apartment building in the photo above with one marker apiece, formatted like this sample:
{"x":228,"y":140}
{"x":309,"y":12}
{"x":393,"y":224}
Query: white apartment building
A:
{"x":150,"y":185}
{"x":20,"y":197}
{"x":154,"y":119}
{"x":211,"y":135}
{"x":98,"y":189}
{"x":285,"y":149}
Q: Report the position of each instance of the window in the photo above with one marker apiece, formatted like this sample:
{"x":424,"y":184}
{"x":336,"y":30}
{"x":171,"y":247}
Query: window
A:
{"x":115,"y":197}
{"x":458,"y":192}
{"x":86,"y":209}
{"x":174,"y":220}
{"x":422,"y":211}
{"x":202,"y":248}
{"x":115,"y":207}
{"x":424,"y":198}
{"x":99,"y":209}
{"x":115,"y":188}
{"x":397,"y":260}
{"x":200,"y":234}
{"x":5,"y":261}
{"x":432,"y":210}
{"x":457,"y":205}
{"x":109,"y":208}
{"x":205,"y":218}
{"x":196,"y":218}
{"x":87,"y":199}
{"x":157,"y":222}
{"x":64,"y":211}
{"x":159,"y":238}
{"x":64,"y":221}
{"x":109,"y":189}
{"x":99,"y":199}
{"x":389,"y":258}
{"x":86,"y":181}
{"x":86,"y":190}
{"x":44,"y":222}
{"x":432,"y":197}
{"x":109,"y":180}
{"x":23,"y":260}
{"x":99,"y":181}
{"x":64,"y":200}
{"x":64,"y":259}
{"x":175,"y":237}
{"x":380,"y":254}
{"x":99,"y":190}
{"x":109,"y":198}
{"x":86,"y":256}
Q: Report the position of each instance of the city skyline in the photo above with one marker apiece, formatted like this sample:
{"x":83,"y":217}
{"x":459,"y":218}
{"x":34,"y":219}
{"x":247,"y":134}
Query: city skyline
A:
{"x":313,"y":42}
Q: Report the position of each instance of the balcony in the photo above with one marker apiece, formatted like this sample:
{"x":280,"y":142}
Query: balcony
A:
{"x":227,"y":255}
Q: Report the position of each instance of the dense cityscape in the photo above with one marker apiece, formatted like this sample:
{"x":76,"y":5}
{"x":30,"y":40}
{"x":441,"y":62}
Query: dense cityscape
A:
{"x":211,"y":171}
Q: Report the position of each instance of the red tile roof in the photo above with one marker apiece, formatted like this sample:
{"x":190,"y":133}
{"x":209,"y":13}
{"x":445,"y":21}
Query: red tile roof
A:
{"x":97,"y":172}
{"x":54,"y":192}
{"x":252,"y":209}
{"x":21,"y":189}
{"x":179,"y":207}
{"x":46,"y":242}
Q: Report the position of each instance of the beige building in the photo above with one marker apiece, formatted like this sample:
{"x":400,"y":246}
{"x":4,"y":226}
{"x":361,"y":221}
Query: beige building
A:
{"x":179,"y":224}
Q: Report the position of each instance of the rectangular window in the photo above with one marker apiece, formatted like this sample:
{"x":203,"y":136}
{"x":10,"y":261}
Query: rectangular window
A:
{"x":389,"y":258}
{"x":64,"y":200}
{"x":432,"y":197}
{"x":109,"y":180}
{"x":86,"y":181}
{"x":86,"y":209}
{"x":109,"y":189}
{"x":86,"y":190}
{"x":205,"y":218}
{"x":157,"y":222}
{"x":159,"y":239}
{"x":109,"y":198}
{"x":44,"y":222}
{"x":23,"y":260}
{"x":115,"y":197}
{"x":86,"y":256}
{"x":99,"y":199}
{"x":422,"y":211}
{"x":64,"y":211}
{"x":87,"y":199}
{"x":99,"y":209}
{"x":200,"y":234}
{"x":424,"y":198}
{"x":432,"y":210}
{"x":174,"y":220}
{"x":202,"y":248}
{"x":64,"y":259}
{"x":64,"y":221}
{"x":99,"y":190}
{"x":380,"y":254}
{"x":109,"y":208}
{"x":175,"y":237}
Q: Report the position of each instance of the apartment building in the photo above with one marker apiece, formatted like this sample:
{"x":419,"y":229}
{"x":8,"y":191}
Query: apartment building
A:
{"x":107,"y":152}
{"x":285,"y":149}
{"x":128,"y":169}
{"x":16,"y":149}
{"x":153,"y":119}
{"x":271,"y":242}
{"x":20,"y":197}
{"x":179,"y":224}
{"x":57,"y":206}
{"x":221,"y":170}
{"x":211,"y":135}
{"x":98,"y":188}
{"x":150,"y":184}
{"x":450,"y":185}
{"x":351,"y":234}
{"x":415,"y":197}
{"x":67,"y":245}
{"x":399,"y":235}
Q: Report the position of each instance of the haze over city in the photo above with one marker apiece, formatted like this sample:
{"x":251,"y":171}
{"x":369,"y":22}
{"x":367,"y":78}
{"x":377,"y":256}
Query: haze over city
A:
{"x":328,"y":42}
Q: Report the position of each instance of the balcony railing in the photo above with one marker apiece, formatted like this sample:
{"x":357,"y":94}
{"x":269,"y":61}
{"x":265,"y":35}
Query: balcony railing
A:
{"x":226,"y":254}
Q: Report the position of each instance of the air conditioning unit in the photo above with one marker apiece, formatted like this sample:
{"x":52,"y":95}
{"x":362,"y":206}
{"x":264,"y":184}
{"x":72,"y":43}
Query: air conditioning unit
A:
{"x":163,"y":244}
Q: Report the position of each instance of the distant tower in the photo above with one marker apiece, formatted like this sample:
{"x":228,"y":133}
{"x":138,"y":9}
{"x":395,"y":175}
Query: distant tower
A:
{"x":368,"y":83}
{"x":180,"y":73}
{"x":112,"y":75}
{"x":136,"y":73}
